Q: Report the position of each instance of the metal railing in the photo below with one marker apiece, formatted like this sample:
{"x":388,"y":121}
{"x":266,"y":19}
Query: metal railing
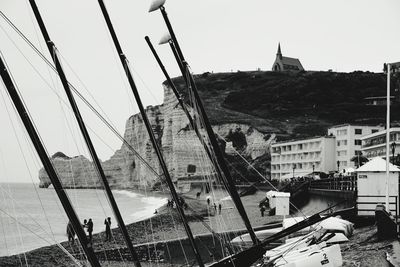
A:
{"x":344,"y":183}
{"x":396,"y":203}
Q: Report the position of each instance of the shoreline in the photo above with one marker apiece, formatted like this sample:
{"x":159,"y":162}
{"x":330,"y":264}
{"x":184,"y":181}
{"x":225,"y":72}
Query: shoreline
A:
{"x":46,"y":232}
{"x":161,"y":227}
{"x":161,"y":230}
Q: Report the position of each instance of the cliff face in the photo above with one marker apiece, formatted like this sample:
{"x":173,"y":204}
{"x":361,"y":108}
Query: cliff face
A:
{"x":180,"y":146}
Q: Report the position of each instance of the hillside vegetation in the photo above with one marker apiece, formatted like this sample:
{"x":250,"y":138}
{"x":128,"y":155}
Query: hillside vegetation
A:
{"x":293,"y":105}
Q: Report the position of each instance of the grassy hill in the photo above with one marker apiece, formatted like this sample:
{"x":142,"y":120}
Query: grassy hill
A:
{"x":293,"y":105}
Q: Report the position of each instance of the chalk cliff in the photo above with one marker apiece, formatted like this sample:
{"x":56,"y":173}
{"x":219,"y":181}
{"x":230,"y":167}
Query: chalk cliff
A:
{"x":180,"y":145}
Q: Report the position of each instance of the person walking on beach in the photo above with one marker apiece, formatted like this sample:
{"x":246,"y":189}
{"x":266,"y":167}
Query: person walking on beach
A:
{"x":215,"y":208}
{"x":208,"y":201}
{"x":107,"y":222}
{"x":219,"y":208}
{"x":70,"y":233}
{"x":262,"y":210}
{"x":89,"y":226}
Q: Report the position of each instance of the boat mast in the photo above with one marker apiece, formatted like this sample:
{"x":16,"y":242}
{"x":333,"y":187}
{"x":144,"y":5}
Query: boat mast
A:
{"x":182,"y":104}
{"x":53,"y":52}
{"x":228,"y":181}
{"x":149,"y":128}
{"x":34,"y":136}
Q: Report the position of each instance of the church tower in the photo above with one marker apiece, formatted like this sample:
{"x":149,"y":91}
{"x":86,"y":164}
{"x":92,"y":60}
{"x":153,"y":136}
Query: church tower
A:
{"x":279,"y":53}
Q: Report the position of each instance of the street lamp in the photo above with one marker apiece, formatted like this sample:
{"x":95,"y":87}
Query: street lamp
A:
{"x":338,"y":165}
{"x":393,"y":150}
{"x":294,"y":167}
{"x":313,"y":168}
{"x":390,"y":67}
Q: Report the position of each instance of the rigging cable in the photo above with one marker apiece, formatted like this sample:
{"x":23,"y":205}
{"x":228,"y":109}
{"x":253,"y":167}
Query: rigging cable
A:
{"x":86,"y":102}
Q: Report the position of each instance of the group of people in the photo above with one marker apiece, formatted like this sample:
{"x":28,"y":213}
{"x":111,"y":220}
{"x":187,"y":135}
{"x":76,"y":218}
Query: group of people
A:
{"x":88,"y":225}
{"x":215,"y":206}
{"x":182,"y":203}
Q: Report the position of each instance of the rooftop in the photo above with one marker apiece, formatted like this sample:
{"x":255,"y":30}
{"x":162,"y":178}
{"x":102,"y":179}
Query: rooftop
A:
{"x":292,"y":61}
{"x":393,"y":129}
{"x":377,"y":164}
{"x":303,"y":139}
{"x":354,"y":125}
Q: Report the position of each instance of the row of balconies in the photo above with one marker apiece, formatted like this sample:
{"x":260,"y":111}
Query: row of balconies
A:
{"x":380,"y":140}
{"x":288,"y":158}
{"x":299,"y":166}
{"x":297,"y":147}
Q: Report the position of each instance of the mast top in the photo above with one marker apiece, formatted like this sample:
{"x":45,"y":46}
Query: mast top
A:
{"x":156,"y":4}
{"x":166,"y":38}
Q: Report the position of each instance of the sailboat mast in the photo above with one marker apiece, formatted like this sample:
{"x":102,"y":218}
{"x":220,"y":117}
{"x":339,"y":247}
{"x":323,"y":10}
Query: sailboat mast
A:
{"x":53,"y":52}
{"x":153,"y":140}
{"x":228,"y":181}
{"x":181,"y":103}
{"x":62,"y":195}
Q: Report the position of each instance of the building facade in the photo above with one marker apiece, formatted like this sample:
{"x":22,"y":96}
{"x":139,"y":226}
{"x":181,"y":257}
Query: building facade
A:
{"x":374,"y":145}
{"x":348,"y":142}
{"x":300,"y":157}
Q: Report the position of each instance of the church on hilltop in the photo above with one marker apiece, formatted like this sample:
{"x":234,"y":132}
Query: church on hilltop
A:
{"x":286,"y":63}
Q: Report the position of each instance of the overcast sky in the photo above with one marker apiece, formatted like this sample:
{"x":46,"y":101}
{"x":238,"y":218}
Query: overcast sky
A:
{"x":219,"y":36}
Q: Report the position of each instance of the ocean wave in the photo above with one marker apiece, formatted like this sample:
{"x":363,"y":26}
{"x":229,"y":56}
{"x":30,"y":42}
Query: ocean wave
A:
{"x":152,"y":204}
{"x":129,"y":193}
{"x":155,"y":201}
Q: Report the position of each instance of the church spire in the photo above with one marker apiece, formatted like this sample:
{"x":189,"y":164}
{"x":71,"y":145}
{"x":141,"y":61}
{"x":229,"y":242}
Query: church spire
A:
{"x":279,"y":53}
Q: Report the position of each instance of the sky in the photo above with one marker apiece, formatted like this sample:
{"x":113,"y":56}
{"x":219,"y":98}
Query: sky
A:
{"x":218,"y":36}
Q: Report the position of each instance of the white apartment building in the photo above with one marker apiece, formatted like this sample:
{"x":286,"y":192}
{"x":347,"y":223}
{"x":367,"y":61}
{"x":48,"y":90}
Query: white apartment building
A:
{"x":348,"y":142}
{"x":374,"y":145}
{"x":303,"y":157}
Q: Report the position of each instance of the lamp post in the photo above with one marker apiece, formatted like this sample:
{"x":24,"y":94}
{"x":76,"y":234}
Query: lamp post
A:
{"x":393,"y":145}
{"x":313,"y":168}
{"x":294,"y":167}
{"x":338,"y":165}
{"x":387,"y":68}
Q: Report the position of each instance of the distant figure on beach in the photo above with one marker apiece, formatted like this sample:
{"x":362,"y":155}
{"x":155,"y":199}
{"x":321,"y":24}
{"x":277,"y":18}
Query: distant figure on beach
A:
{"x":107,"y":222}
{"x":215,"y":208}
{"x":219,"y":208}
{"x":84,"y":225}
{"x":89,"y":226}
{"x":169,"y":204}
{"x":198,"y":194}
{"x":70,"y":233}
{"x":262,"y":210}
{"x":208,"y":201}
{"x":155,"y":212}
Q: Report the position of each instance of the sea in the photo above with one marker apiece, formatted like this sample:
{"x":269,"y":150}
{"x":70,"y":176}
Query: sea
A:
{"x":33,"y":217}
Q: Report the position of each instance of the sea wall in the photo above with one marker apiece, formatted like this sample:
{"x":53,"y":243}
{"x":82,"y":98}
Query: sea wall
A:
{"x":180,"y":147}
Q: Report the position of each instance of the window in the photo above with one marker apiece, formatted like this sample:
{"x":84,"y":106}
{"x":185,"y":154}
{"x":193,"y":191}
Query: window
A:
{"x":191,"y":168}
{"x":342,"y":143}
{"x":357,"y":153}
{"x":300,"y":146}
{"x":358,"y":131}
{"x":357,"y":142}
